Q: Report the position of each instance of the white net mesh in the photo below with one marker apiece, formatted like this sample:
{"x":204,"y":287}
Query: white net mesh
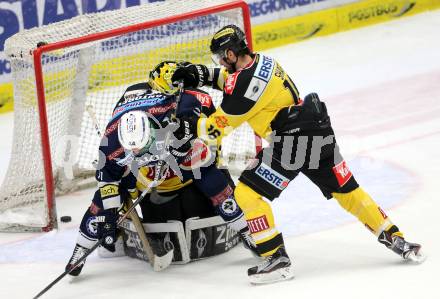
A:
{"x":96,"y":74}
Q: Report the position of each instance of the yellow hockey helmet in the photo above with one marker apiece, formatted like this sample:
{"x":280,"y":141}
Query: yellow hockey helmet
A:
{"x":160,"y":77}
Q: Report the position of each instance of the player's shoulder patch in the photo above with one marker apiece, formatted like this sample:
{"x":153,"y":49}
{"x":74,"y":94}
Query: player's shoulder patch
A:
{"x":231,"y":81}
{"x":264,"y":68}
{"x":261,"y":77}
{"x":204,"y":98}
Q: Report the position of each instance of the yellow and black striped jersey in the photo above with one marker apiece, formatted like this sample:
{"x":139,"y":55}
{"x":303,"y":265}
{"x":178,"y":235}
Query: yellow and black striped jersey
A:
{"x":254,"y":94}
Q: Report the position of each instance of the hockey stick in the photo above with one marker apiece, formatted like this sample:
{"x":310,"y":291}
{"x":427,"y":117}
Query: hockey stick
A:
{"x":150,"y":186}
{"x":99,"y":242}
{"x":158,"y":263}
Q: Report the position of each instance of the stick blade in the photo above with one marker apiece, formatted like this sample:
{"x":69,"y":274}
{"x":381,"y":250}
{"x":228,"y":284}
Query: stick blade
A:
{"x":162,"y":262}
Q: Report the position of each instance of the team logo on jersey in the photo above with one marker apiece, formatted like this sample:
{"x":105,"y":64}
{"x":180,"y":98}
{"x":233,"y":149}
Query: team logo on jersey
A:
{"x":221,"y":122}
{"x":342,"y":173}
{"x":229,"y":207}
{"x":255,"y":89}
{"x":272,"y":177}
{"x":230,"y":83}
{"x":259,"y":81}
{"x":92,"y":226}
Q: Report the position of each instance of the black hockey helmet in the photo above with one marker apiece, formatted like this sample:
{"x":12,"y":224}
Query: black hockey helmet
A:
{"x":230,"y":37}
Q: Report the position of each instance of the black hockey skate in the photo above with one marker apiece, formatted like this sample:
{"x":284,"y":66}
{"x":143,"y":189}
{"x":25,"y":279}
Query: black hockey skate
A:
{"x":408,"y":251}
{"x":276,"y":267}
{"x":248,"y":241}
{"x":78,"y":253}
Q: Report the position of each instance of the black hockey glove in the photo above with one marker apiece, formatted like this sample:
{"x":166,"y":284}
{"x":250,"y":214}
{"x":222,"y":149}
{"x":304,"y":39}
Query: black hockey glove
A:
{"x":185,"y":133}
{"x":311,"y":115}
{"x":107,"y":229}
{"x":193,"y":75}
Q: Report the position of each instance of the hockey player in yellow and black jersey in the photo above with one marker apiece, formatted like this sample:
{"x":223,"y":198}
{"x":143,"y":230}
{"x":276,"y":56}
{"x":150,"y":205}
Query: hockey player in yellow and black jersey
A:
{"x":257,"y":90}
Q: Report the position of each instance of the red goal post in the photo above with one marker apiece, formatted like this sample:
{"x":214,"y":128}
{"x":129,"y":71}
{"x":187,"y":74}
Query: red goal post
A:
{"x":51,"y":73}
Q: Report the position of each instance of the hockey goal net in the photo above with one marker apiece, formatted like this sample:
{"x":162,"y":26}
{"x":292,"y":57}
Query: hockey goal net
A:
{"x":88,"y":61}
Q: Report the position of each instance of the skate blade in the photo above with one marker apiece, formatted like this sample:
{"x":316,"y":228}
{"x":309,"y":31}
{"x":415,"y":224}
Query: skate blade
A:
{"x":163,"y":261}
{"x":417,"y":258}
{"x":272,"y":277}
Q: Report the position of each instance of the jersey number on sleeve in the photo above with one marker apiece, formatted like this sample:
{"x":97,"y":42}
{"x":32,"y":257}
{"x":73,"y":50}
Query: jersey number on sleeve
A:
{"x":213,"y":133}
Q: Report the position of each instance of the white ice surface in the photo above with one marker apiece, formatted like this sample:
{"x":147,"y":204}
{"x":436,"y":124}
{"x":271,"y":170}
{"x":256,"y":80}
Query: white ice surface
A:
{"x":382,"y":88}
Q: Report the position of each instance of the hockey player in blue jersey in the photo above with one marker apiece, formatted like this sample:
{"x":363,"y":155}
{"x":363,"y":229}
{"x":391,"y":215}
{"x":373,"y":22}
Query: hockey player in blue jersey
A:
{"x":133,"y":143}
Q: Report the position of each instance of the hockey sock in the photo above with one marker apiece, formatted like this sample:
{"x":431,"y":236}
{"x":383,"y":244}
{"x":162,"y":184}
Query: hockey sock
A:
{"x":259,"y":218}
{"x":362,"y":206}
{"x":88,"y":229}
{"x":227,"y":208}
